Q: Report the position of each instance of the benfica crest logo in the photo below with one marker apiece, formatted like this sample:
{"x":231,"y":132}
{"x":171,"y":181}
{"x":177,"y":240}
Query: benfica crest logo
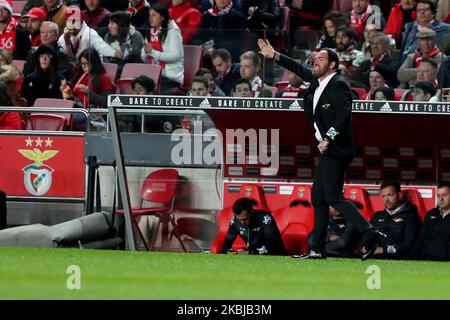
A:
{"x":37,"y":176}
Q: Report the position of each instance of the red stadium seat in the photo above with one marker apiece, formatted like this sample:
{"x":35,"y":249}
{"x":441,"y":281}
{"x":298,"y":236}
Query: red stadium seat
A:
{"x":18,"y":5}
{"x":282,"y":85}
{"x":56,"y":103}
{"x":159,"y":186}
{"x":224,"y":217}
{"x":342,"y":5}
{"x":50,"y":122}
{"x":359,"y":197}
{"x":193,"y":57}
{"x":111,"y":70}
{"x":133,"y":70}
{"x":296,"y":220}
{"x":414,"y":198}
{"x":19,"y":64}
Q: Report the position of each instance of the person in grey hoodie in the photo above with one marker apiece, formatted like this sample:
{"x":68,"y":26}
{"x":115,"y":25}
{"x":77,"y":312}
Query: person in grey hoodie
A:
{"x":124,"y":37}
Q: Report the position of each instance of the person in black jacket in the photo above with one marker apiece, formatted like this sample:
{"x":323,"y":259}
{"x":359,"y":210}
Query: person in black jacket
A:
{"x":223,"y":26}
{"x":257,"y":228}
{"x":328,"y":108}
{"x":45,"y":81}
{"x":433,"y":242}
{"x":227,"y":72}
{"x":263,"y":15}
{"x":342,"y":237}
{"x":49,"y":36}
{"x":399,"y":221}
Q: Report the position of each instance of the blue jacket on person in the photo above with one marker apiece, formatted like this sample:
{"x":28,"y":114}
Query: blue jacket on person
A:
{"x":409,"y":41}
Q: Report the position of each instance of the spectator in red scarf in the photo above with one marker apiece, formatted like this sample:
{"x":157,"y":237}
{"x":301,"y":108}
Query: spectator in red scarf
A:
{"x":401,"y":14}
{"x":9,"y":120}
{"x":164,"y":46}
{"x":188,"y":19}
{"x":380,"y":50}
{"x":36,"y":16}
{"x":49,"y":36}
{"x":426,"y":42}
{"x":223,"y":26}
{"x":296,"y":88}
{"x":377,"y":79}
{"x":139,"y":12}
{"x":12,"y":36}
{"x":347,"y":53}
{"x":362,"y":14}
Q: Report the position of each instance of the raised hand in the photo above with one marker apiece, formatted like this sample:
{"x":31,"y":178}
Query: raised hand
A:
{"x":266,"y":48}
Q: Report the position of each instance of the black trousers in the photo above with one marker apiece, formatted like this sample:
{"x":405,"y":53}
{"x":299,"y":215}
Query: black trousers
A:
{"x":327,"y":191}
{"x":2,"y":210}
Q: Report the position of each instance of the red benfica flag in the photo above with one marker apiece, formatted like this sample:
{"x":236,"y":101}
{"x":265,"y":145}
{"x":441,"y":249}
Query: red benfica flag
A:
{"x":42,"y":166}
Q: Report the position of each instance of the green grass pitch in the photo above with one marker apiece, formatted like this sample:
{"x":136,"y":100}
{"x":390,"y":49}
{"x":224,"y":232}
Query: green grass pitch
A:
{"x":31,"y":273}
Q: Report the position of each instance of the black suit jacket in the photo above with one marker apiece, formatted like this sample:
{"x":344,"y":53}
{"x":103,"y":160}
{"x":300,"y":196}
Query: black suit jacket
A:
{"x":333,"y":114}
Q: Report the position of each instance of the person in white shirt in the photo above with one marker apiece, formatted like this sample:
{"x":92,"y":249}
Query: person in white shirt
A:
{"x":78,"y":36}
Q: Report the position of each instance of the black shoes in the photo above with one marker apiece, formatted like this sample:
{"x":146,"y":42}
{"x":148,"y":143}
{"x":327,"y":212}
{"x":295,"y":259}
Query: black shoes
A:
{"x":371,"y":240}
{"x":310,"y":255}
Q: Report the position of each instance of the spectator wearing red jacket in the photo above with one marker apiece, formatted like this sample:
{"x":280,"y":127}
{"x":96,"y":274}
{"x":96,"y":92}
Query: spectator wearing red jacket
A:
{"x":401,"y":14}
{"x":188,"y":19}
{"x":12,"y":36}
{"x":9,"y":120}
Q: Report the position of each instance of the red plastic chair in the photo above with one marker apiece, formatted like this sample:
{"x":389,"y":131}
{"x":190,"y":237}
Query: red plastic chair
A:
{"x":360,"y":199}
{"x":159,"y":186}
{"x":414,"y":198}
{"x":398,"y":94}
{"x":133,"y":70}
{"x":193,"y":57}
{"x":247,"y":191}
{"x":56,"y":103}
{"x":18,"y":6}
{"x":49,"y":122}
{"x":111,"y":70}
{"x":296,"y":220}
{"x":342,"y":5}
{"x":282,"y":85}
{"x":19,"y":64}
{"x":359,"y":91}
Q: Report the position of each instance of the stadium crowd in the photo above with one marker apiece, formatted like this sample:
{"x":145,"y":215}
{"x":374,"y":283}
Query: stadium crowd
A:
{"x":388,"y":50}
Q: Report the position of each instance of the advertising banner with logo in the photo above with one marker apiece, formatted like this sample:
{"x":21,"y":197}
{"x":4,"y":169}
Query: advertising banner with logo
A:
{"x":42,"y":165}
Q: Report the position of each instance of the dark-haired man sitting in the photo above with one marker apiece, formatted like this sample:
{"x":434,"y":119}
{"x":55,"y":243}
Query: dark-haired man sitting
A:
{"x":433,"y":242}
{"x":399,"y":221}
{"x":256,"y":227}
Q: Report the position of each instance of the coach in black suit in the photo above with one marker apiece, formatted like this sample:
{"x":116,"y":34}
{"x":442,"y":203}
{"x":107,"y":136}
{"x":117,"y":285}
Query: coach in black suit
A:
{"x":328,"y":107}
